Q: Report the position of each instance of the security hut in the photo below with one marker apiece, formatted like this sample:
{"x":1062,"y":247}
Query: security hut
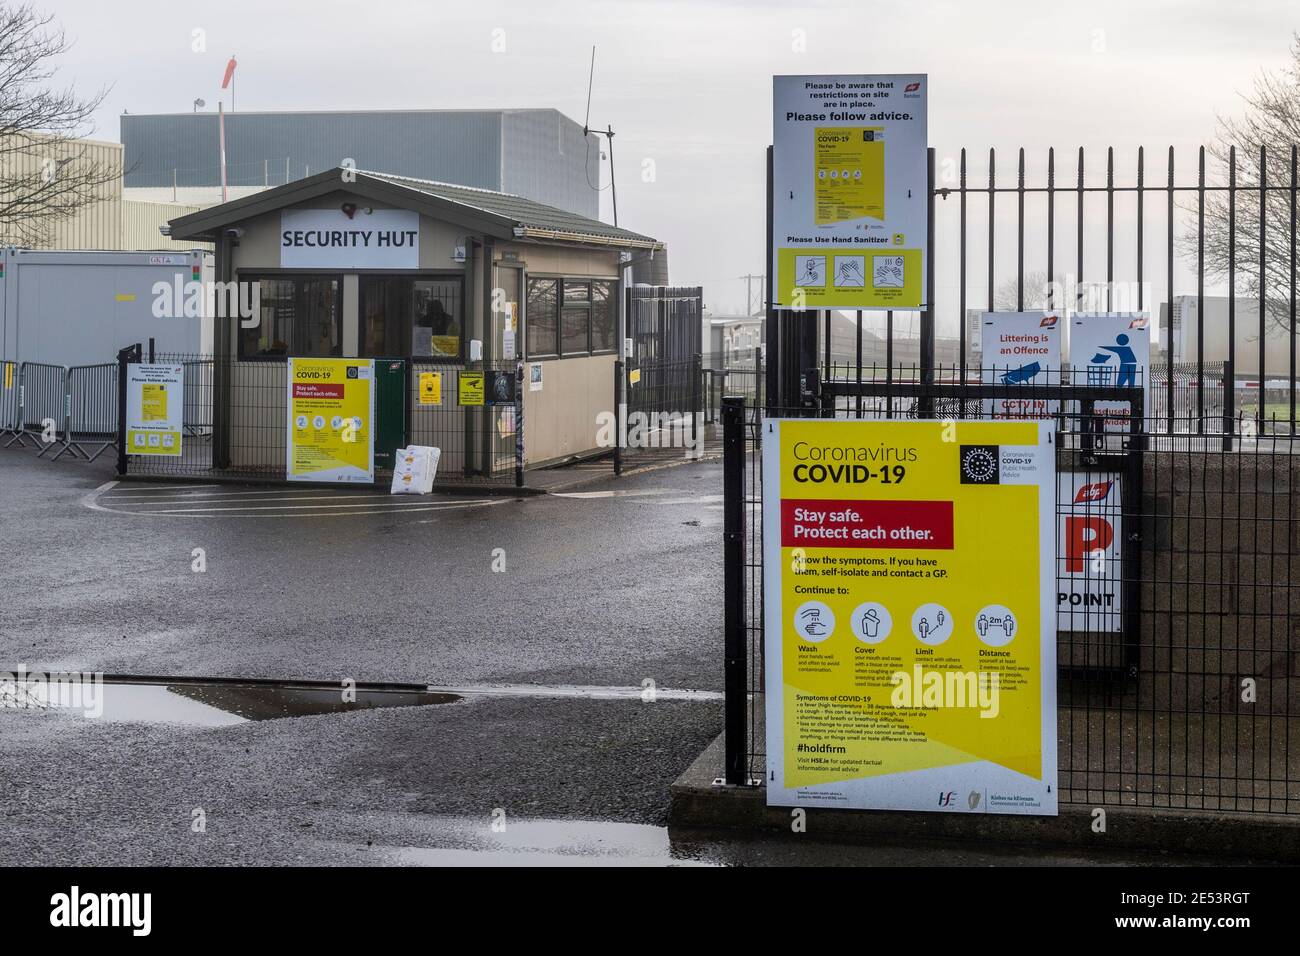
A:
{"x":454,"y":280}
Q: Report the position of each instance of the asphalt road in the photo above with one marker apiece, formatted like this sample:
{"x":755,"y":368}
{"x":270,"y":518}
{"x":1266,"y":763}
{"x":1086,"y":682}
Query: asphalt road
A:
{"x":613,"y":587}
{"x":602,"y":590}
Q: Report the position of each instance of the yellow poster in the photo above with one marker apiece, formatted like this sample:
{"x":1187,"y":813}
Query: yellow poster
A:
{"x":331,"y":405}
{"x":848,"y":173}
{"x":910,"y":615}
{"x":153,"y":402}
{"x":430,"y":388}
{"x":470,"y":385}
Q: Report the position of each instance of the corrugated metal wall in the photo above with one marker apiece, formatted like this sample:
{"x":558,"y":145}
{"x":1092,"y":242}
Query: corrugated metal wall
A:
{"x":140,"y":222}
{"x":456,"y":146}
{"x":98,"y":226}
{"x":544,"y":154}
{"x":539,"y":154}
{"x":111,"y":223}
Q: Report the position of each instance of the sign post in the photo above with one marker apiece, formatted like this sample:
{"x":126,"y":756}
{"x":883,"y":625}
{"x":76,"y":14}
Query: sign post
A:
{"x":910,"y":615}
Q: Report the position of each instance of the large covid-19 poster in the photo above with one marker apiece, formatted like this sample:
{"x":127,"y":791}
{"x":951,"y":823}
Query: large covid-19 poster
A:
{"x":331,"y":406}
{"x":910,"y":615}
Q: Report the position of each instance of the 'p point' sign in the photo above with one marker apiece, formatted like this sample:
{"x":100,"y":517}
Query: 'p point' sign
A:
{"x":1090,"y":579}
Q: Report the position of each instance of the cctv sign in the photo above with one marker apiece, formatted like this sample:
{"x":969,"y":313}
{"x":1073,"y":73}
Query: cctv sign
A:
{"x":349,"y":237}
{"x":1090,"y":568}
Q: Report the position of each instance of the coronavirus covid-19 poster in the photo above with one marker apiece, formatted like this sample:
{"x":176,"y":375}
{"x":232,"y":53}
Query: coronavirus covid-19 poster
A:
{"x":910,"y":615}
{"x":331,"y":406}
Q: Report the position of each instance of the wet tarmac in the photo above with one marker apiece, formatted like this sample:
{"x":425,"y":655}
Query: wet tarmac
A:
{"x":202,"y":703}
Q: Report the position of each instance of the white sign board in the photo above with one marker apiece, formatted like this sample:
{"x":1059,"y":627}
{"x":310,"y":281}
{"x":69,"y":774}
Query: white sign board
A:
{"x":849,"y":191}
{"x":1090,"y":579}
{"x":332,"y":239}
{"x":1112,"y":350}
{"x":1021,"y":348}
{"x":155,"y":407}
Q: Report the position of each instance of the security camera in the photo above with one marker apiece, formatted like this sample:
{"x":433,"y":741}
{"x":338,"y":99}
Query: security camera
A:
{"x":165,"y":229}
{"x":234,"y":232}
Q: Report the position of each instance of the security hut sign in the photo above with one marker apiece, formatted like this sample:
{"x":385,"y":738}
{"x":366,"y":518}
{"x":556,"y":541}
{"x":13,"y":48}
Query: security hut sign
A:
{"x":349,"y":237}
{"x":849,"y":191}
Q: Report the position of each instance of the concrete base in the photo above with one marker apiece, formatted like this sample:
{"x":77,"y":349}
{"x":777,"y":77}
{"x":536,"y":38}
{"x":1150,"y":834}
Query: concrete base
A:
{"x":696,"y":801}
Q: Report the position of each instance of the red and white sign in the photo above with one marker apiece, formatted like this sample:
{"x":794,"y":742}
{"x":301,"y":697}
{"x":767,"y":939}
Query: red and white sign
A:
{"x":1021,"y":349}
{"x":1089,"y":574}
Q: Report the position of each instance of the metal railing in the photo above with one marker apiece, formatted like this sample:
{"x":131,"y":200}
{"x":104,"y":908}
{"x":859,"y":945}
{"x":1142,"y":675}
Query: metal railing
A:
{"x":1151,"y":706}
{"x":235,"y":422}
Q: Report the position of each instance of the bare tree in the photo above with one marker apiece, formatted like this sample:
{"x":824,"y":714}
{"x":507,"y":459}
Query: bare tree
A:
{"x":46,"y":175}
{"x":1039,"y":293}
{"x":1261,"y":140}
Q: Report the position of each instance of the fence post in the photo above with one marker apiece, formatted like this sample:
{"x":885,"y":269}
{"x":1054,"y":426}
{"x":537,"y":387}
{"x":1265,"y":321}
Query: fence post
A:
{"x":620,"y":410}
{"x":124,"y":357}
{"x":519,"y":423}
{"x":697,"y":398}
{"x":736,"y":703}
{"x":1229,"y":403}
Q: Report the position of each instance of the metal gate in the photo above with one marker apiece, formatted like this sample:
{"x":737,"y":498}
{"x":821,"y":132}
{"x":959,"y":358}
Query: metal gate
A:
{"x":1193,"y":702}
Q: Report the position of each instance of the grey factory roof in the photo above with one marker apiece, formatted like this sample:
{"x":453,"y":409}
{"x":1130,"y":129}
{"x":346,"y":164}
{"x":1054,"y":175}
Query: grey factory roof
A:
{"x":498,"y":214}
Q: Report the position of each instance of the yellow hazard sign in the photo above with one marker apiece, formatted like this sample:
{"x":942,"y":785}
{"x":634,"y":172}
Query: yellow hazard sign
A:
{"x":470,"y":388}
{"x":430,"y":388}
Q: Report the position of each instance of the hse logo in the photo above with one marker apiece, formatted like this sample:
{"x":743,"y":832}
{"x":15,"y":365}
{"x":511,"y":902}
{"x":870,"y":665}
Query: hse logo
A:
{"x":979,"y":464}
{"x":1098,"y":491}
{"x":946,"y":798}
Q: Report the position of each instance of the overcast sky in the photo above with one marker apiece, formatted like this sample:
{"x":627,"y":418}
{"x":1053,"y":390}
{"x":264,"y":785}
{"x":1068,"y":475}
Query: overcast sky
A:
{"x":688,"y":85}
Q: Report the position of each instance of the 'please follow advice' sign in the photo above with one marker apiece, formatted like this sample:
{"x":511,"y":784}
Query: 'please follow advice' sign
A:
{"x":330,"y":239}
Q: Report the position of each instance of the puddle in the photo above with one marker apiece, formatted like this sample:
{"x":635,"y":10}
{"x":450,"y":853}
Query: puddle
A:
{"x":200,"y":703}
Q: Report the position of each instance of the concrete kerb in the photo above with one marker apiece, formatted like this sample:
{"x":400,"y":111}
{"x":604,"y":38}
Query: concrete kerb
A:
{"x":696,"y":802}
{"x":456,"y":488}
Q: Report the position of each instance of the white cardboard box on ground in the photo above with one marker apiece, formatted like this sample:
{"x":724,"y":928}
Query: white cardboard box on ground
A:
{"x":414,"y":468}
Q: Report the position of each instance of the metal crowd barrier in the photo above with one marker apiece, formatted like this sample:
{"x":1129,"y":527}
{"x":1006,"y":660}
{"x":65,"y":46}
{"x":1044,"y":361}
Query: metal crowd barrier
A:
{"x":91,"y":410}
{"x":66,"y":411}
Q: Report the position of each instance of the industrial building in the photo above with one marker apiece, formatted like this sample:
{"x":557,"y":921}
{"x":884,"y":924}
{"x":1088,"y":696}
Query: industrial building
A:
{"x":114,"y":221}
{"x":539,"y":154}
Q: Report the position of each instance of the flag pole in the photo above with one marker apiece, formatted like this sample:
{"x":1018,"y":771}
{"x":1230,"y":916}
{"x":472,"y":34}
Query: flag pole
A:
{"x":221,"y":121}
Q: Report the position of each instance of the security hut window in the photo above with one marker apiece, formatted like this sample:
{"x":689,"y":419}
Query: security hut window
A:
{"x":568,"y":317}
{"x":298,"y":315}
{"x":405,"y":316}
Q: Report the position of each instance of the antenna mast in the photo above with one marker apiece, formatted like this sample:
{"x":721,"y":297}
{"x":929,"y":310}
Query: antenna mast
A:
{"x":607,"y":132}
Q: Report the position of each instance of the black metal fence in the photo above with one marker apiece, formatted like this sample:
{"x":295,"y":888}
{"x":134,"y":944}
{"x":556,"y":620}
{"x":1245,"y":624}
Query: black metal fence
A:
{"x":235,"y":420}
{"x":1186,"y":695}
{"x":1191,"y":701}
{"x":661,"y":411}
